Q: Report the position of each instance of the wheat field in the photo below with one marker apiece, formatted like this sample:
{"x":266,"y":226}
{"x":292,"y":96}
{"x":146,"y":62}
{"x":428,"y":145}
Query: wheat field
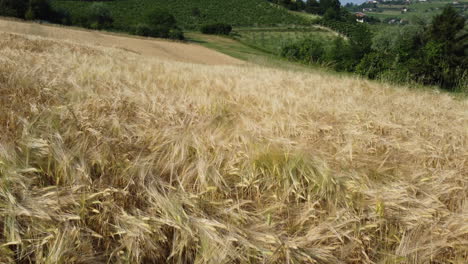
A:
{"x":107,"y":156}
{"x":168,"y":50}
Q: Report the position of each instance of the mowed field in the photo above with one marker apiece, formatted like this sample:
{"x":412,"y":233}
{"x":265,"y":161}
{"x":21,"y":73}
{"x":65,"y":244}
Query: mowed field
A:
{"x":111,"y":156}
{"x":170,"y":50}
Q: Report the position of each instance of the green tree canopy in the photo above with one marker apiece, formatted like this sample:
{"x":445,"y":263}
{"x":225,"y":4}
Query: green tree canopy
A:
{"x":15,"y":8}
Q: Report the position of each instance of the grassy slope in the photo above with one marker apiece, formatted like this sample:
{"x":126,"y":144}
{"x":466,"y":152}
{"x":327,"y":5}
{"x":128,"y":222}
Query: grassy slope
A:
{"x":424,"y":9}
{"x":111,"y":156}
{"x":236,"y":12}
{"x":273,"y":40}
{"x":248,"y":53}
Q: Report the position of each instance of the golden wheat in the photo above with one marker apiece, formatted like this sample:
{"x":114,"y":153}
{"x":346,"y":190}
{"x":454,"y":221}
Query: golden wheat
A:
{"x":108,"y":156}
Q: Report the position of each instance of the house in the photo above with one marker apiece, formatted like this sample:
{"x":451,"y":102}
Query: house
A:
{"x":360,"y":17}
{"x":360,"y":14}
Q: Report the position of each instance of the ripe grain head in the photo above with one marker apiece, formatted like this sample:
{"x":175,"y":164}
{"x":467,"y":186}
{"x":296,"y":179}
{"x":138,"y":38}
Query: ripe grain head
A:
{"x":111,"y":156}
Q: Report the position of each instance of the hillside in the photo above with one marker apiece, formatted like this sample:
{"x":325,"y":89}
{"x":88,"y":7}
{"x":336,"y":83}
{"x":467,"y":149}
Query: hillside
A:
{"x":169,"y":50}
{"x":108,"y":156}
{"x":236,"y":12}
{"x":386,"y":11}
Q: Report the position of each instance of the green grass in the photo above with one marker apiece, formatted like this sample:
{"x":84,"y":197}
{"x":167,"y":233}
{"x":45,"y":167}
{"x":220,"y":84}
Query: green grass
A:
{"x":236,"y":12}
{"x":307,"y":16}
{"x":273,"y":40}
{"x":253,"y":54}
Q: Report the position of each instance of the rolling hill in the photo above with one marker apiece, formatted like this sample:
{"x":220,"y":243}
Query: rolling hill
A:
{"x":192,"y":13}
{"x":169,"y":50}
{"x":109,"y":156}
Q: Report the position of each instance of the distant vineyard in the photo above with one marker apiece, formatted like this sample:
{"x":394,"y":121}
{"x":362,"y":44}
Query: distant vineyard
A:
{"x":273,"y":40}
{"x":343,"y":28}
{"x":193,"y":13}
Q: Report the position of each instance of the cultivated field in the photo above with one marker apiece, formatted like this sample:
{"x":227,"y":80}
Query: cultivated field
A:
{"x":274,"y":39}
{"x":192,"y":14}
{"x":425,"y":10}
{"x":109,"y":156}
{"x":147,"y":47}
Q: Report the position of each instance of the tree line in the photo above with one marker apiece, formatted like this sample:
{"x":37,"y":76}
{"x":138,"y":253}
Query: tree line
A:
{"x":309,"y":6}
{"x":157,"y":22}
{"x":427,"y":53}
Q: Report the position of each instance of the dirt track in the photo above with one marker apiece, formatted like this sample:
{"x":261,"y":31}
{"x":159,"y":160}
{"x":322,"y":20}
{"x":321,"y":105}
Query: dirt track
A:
{"x":149,"y":47}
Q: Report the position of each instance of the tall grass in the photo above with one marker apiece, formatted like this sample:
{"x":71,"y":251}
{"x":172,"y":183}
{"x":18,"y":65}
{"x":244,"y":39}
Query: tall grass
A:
{"x":108,"y":156}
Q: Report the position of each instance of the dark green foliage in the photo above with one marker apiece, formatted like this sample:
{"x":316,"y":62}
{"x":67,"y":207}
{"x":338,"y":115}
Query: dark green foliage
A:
{"x":332,"y":6}
{"x":373,"y":64}
{"x":342,"y":55}
{"x":160,"y":24}
{"x":191,"y":14}
{"x":142,"y":30}
{"x":218,"y":29}
{"x":295,"y":5}
{"x":312,"y":6}
{"x":307,"y":51}
{"x":33,"y":10}
{"x":432,"y":54}
{"x":159,"y":17}
{"x":443,"y":59}
{"x":14,"y":8}
{"x":196,"y":12}
{"x":39,"y":9}
{"x":99,"y":16}
{"x":331,"y":14}
{"x":176,"y":33}
{"x":61,"y":16}
{"x":446,"y":26}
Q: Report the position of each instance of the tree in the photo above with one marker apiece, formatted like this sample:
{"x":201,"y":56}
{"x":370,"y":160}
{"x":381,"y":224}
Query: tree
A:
{"x":14,"y":8}
{"x":39,"y":9}
{"x":196,"y":12}
{"x":325,"y":5}
{"x":446,"y":26}
{"x":217,"y":28}
{"x":331,"y":14}
{"x":160,"y":24}
{"x":443,"y":59}
{"x":290,"y":4}
{"x":161,"y":18}
{"x":312,"y":6}
{"x":99,"y":16}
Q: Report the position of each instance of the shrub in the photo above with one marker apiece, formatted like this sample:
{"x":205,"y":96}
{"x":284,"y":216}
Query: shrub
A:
{"x":142,"y":30}
{"x":196,"y":12}
{"x":307,"y":51}
{"x":159,"y":24}
{"x":218,"y":29}
{"x":61,"y":16}
{"x":161,"y":18}
{"x":13,"y":8}
{"x":39,"y":9}
{"x":176,"y":33}
{"x":99,"y":16}
{"x":373,"y":64}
